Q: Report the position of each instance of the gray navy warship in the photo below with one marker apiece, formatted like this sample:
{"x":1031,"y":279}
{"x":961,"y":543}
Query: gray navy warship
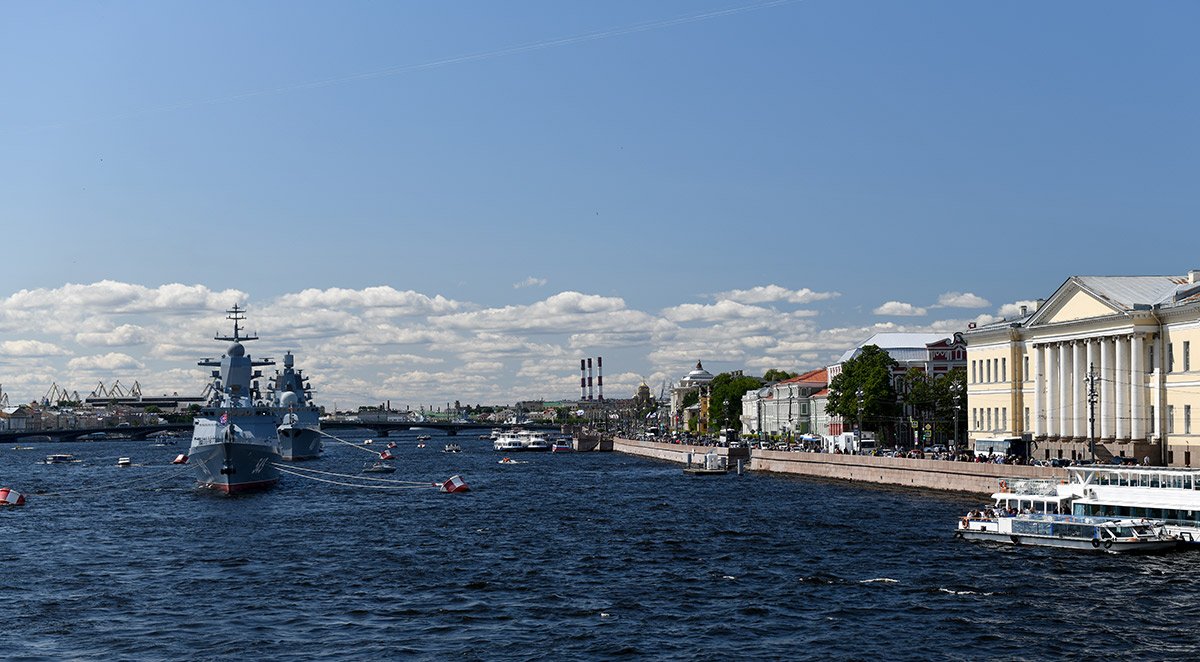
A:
{"x":235,"y":439}
{"x":299,"y":420}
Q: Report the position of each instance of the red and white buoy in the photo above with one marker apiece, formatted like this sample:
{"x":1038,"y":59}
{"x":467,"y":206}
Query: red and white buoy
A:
{"x":454,"y":484}
{"x":386,"y":455}
{"x":9,"y":497}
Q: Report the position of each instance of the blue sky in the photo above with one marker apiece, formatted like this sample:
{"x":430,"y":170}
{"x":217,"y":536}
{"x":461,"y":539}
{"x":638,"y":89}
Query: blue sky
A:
{"x":431,"y":201}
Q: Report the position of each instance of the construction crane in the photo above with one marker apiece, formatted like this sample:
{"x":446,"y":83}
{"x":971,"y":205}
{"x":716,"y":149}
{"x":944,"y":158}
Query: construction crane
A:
{"x":54,"y":395}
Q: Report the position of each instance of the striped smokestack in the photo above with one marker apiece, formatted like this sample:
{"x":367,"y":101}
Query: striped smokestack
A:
{"x":582,"y":379}
{"x":600,"y":377}
{"x":589,"y":361}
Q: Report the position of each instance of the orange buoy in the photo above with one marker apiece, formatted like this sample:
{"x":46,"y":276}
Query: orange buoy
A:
{"x":10,"y":497}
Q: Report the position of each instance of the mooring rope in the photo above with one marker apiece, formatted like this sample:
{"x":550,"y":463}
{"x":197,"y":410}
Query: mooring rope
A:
{"x":118,"y":485}
{"x":349,"y":443}
{"x":423,"y":486}
{"x":382,"y":480}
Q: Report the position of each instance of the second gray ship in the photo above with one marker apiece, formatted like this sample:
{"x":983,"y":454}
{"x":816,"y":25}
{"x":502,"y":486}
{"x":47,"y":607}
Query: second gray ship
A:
{"x":298,"y":419}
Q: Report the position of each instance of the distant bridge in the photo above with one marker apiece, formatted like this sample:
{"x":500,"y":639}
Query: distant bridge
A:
{"x":74,"y":434}
{"x":382,"y":428}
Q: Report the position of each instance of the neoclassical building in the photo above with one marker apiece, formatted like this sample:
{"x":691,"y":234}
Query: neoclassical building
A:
{"x":696,"y":380}
{"x":784,"y":407}
{"x":1107,"y":357}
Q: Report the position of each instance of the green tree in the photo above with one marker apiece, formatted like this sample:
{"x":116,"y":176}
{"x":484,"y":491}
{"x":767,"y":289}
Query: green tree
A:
{"x":863,"y":390}
{"x":725,"y":402}
{"x":774,"y":375}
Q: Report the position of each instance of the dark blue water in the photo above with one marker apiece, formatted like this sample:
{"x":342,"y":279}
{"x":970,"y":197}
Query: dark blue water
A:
{"x":571,"y":556}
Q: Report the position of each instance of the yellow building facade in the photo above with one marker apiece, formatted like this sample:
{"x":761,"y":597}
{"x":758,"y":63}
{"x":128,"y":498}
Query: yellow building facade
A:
{"x":1104,"y":358}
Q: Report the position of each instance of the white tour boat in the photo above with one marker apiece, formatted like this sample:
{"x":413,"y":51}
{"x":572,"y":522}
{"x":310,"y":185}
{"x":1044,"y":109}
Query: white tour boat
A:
{"x":508,"y":442}
{"x":533,"y":441}
{"x":1069,"y":531}
{"x":1171,"y":496}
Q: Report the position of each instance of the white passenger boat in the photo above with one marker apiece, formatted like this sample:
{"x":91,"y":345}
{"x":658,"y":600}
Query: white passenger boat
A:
{"x":533,"y":441}
{"x":61,"y":458}
{"x":508,"y":442}
{"x":1068,"y":531}
{"x":1171,"y":496}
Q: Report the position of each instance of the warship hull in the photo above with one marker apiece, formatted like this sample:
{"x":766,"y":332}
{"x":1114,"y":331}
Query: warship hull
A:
{"x":299,"y":443}
{"x":235,"y":467}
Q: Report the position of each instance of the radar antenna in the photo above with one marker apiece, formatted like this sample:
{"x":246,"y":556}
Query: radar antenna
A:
{"x":237,"y":315}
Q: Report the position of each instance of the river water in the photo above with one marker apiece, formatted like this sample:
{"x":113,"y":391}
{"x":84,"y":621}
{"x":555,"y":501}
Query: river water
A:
{"x":570,"y":556}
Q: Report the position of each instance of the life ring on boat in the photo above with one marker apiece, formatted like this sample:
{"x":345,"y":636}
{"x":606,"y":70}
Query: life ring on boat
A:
{"x":1107,"y":544}
{"x":1003,"y":486}
{"x":1096,"y":543}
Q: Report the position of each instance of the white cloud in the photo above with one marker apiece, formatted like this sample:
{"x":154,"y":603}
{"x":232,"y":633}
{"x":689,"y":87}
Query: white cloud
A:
{"x":771,"y":293}
{"x":107,"y":362}
{"x":899,"y":309}
{"x":24,"y":348}
{"x":382,"y":297}
{"x":1014,"y":309}
{"x":961,"y":300}
{"x":124,"y":335}
{"x":530,"y":282}
{"x":115,"y":297}
{"x":722,"y":310}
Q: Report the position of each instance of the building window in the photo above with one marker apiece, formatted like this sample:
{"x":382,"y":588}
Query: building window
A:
{"x":973,"y":379}
{"x":1153,"y":421}
{"x":1187,"y":356}
{"x":1004,"y":418}
{"x":1170,"y":419}
{"x":1170,"y":357}
{"x":1025,"y":373}
{"x":1003,"y":370}
{"x":1151,"y":361}
{"x":1027,"y":419}
{"x":1187,"y":419}
{"x":988,"y":368}
{"x":989,"y":418}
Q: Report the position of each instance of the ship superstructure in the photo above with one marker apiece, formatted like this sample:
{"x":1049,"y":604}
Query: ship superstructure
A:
{"x":298,"y":419}
{"x":235,"y":440}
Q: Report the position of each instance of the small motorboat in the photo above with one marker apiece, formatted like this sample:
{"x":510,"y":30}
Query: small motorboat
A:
{"x":560,"y":446}
{"x":452,"y":448}
{"x":509,"y":460}
{"x":391,"y":444}
{"x":124,"y":462}
{"x":60,"y":458}
{"x":424,"y":437}
{"x":379,"y":468}
{"x":368,"y":442}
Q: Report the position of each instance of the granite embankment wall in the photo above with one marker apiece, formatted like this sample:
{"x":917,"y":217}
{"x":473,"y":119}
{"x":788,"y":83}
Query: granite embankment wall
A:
{"x":928,"y":474}
{"x":675,"y":452}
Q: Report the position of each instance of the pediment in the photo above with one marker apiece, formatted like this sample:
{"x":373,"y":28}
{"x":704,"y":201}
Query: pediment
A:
{"x":1071,"y":303}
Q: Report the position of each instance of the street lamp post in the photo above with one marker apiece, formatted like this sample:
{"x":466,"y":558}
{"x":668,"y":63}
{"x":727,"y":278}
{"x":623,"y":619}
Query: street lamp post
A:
{"x":956,"y":389}
{"x":859,"y":393}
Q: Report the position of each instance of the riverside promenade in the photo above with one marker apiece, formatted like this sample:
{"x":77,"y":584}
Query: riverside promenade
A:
{"x":972,"y":477}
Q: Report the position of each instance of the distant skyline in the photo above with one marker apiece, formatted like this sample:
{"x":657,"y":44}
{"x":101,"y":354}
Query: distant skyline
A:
{"x":438,"y":201}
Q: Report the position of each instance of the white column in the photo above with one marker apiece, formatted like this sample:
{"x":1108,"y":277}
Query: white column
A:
{"x":1093,"y":366}
{"x":1053,"y":383}
{"x":1064,"y":389}
{"x":1106,"y":388}
{"x":1121,"y":386}
{"x":1137,"y":387}
{"x":1079,"y":391}
{"x":1039,"y":385}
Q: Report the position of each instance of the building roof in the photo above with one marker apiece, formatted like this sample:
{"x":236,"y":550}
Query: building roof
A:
{"x":812,"y":378}
{"x":1127,"y":291}
{"x":892,"y":342}
{"x":698,"y":376}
